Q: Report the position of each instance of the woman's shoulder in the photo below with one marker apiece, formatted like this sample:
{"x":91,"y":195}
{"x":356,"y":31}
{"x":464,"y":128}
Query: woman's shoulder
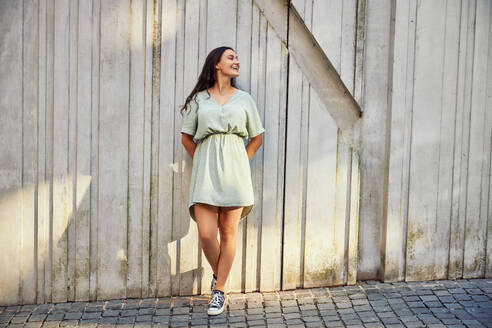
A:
{"x":244,"y":95}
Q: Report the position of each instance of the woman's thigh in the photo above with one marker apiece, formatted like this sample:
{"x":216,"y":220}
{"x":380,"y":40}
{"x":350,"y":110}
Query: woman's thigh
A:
{"x":206,"y":217}
{"x":229,"y":219}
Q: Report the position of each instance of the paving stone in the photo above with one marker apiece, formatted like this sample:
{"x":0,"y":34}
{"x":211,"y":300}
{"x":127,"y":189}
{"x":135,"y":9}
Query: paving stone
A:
{"x":446,"y":299}
{"x":442,"y":293}
{"x":324,"y":306}
{"x":273,"y":309}
{"x":309,"y":307}
{"x":111,"y":313}
{"x":275,"y":321}
{"x":374,"y":325}
{"x":381,"y":308}
{"x":462,"y":297}
{"x":343,"y":305}
{"x":330,"y":317}
{"x":37,"y":317}
{"x":254,"y":317}
{"x":386,"y":314}
{"x":94,"y":308}
{"x":411,"y":298}
{"x":334,"y":324}
{"x":352,"y":322}
{"x":256,"y":323}
{"x":305,"y":300}
{"x":393,"y":320}
{"x":450,"y":321}
{"x":50,"y":317}
{"x":20,"y":319}
{"x":33,"y":325}
{"x":237,"y":319}
{"x":311,"y":319}
{"x":361,"y":308}
{"x":420,"y":310}
{"x":409,"y":318}
{"x":321,"y":300}
{"x":433,"y":304}
{"x":369,"y":319}
{"x":309,"y":313}
{"x":88,"y":322}
{"x":108,"y":320}
{"x":289,"y":316}
{"x":237,"y":306}
{"x":290,"y":309}
{"x":346,"y":311}
{"x":414,"y":324}
{"x":429,"y":298}
{"x":255,"y":311}
{"x":295,"y":322}
{"x":472,"y":323}
{"x":289,"y":303}
{"x":158,"y":312}
{"x":349,"y":316}
{"x":416,"y":304}
{"x":253,"y":305}
{"x":403,"y":312}
{"x":73,"y":315}
{"x":361,"y":301}
{"x":324,"y":313}
{"x":129,"y":320}
{"x":273,"y":315}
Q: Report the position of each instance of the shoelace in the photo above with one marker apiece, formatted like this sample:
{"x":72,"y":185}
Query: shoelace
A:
{"x":216,"y":300}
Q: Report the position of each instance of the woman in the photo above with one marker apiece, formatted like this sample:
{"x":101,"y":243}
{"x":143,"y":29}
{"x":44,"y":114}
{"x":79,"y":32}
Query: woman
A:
{"x":219,"y":116}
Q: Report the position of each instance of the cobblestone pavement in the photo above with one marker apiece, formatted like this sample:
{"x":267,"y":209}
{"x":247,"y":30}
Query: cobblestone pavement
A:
{"x":442,"y":303}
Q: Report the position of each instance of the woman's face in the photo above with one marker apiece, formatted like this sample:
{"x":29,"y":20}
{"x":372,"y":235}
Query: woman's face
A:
{"x":228,"y":64}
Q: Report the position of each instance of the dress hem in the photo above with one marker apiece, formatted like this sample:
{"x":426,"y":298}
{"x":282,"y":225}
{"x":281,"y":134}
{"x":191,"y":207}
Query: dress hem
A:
{"x":246,"y":209}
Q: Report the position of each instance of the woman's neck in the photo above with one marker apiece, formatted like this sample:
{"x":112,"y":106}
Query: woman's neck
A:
{"x":222,"y":85}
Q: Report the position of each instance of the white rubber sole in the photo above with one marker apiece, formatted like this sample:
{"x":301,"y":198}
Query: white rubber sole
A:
{"x":216,"y":312}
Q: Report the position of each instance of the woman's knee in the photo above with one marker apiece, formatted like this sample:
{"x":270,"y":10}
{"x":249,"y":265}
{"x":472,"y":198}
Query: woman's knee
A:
{"x":207,"y":236}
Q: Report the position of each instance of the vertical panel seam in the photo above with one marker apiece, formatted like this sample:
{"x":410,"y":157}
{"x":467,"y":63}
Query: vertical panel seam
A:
{"x":454,"y":137}
{"x":285,"y":150}
{"x":469,"y":130}
{"x":443,"y":61}
{"x":21,"y":239}
{"x":409,"y":142}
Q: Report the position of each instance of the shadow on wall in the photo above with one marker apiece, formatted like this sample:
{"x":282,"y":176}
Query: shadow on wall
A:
{"x":35,"y":262}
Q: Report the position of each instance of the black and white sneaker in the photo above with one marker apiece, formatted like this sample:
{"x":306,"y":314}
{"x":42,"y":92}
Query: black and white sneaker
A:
{"x":217,"y":303}
{"x":212,"y":285}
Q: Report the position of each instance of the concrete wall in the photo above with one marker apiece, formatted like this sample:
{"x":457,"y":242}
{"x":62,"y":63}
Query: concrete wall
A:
{"x":94,"y":180}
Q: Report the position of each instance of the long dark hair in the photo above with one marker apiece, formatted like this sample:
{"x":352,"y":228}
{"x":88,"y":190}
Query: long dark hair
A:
{"x":207,"y":77}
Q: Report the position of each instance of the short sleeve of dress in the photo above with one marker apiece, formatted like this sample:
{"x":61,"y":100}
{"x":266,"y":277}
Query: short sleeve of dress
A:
{"x":190,"y":118}
{"x":253,"y":121}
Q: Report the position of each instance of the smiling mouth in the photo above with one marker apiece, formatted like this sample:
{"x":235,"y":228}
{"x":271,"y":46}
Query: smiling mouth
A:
{"x":235,"y":68}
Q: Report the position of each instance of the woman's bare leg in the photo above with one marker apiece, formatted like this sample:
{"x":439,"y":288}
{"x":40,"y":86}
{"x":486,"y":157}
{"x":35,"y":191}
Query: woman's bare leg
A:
{"x":206,"y":218}
{"x":228,"y":224}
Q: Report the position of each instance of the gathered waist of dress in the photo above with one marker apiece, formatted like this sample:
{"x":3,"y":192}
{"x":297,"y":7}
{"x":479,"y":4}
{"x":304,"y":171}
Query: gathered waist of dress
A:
{"x":217,"y":134}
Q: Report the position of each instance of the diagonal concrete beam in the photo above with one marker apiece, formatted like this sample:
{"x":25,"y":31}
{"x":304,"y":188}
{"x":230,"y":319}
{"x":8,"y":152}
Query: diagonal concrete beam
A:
{"x":313,"y":62}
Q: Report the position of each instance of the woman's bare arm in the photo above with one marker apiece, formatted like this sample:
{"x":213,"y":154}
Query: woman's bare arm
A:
{"x":253,"y":145}
{"x":188,"y":143}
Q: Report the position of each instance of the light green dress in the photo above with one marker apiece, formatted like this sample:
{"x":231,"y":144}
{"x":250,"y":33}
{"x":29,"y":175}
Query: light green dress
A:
{"x":221,"y":173}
